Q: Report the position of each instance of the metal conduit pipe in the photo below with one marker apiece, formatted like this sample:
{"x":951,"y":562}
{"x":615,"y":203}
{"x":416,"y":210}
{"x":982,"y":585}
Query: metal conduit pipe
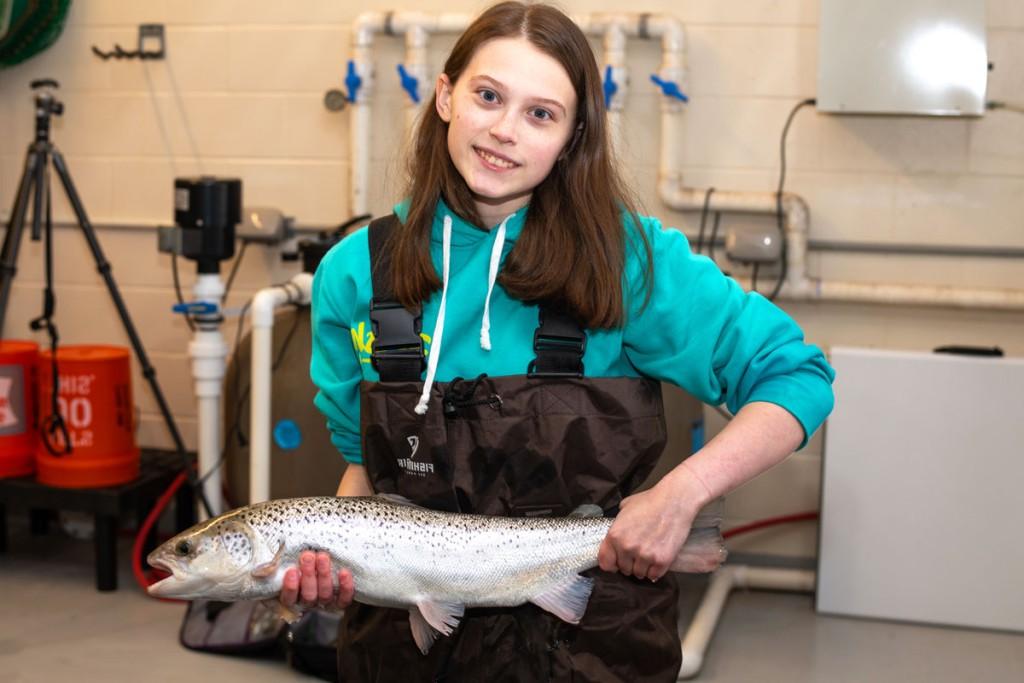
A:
{"x":799,"y":287}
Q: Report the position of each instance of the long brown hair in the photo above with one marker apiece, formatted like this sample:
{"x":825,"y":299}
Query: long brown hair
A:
{"x":571,"y":253}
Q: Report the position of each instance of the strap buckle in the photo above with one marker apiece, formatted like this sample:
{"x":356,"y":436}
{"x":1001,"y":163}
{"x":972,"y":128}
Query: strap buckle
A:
{"x":557,"y":355}
{"x":401,"y":341}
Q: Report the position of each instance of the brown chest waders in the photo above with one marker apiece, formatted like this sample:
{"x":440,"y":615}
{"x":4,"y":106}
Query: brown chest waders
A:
{"x":541,"y":443}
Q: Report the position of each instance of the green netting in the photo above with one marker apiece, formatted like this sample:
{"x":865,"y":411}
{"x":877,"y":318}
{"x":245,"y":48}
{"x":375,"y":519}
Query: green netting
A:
{"x":28,"y":27}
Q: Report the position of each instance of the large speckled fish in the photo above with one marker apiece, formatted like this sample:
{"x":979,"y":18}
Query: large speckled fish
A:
{"x":434,"y":564}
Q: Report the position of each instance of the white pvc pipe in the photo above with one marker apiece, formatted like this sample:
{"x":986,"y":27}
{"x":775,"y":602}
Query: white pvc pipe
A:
{"x":615,"y":57}
{"x":416,"y":26}
{"x":208,"y":352}
{"x":261,"y":318}
{"x":702,"y":627}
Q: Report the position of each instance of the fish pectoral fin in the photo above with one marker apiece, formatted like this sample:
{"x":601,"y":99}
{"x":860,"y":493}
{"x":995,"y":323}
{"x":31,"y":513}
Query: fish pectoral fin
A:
{"x":289,"y":614}
{"x":442,"y":616}
{"x":269,"y":568}
{"x":422,"y":632}
{"x":567,"y":599}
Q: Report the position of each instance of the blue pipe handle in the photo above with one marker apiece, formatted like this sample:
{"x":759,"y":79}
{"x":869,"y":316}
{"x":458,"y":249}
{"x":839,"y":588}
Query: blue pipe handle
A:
{"x":409,"y":83}
{"x":670,"y":88}
{"x":610,"y":86}
{"x":352,"y":81}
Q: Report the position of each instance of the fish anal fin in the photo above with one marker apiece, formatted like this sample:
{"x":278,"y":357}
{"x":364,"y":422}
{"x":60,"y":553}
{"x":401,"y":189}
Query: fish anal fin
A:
{"x":567,"y":599}
{"x":442,"y":616}
{"x":422,"y":632}
{"x":269,"y":568}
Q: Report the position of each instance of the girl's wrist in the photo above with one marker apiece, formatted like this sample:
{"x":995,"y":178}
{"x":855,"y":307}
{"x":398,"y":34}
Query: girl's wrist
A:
{"x":688,"y":487}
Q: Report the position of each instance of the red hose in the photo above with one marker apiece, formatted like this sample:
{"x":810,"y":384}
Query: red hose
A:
{"x":141,"y":578}
{"x":771,"y":521}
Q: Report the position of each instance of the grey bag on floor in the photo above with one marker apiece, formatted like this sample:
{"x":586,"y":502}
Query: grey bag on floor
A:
{"x":230,"y":627}
{"x":255,"y":629}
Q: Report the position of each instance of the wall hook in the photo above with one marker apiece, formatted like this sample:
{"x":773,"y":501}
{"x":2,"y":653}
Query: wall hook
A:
{"x":151,"y":45}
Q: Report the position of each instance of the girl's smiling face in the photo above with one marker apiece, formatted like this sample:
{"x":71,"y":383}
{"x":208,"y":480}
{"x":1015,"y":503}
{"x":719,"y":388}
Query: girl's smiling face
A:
{"x":510,"y":115}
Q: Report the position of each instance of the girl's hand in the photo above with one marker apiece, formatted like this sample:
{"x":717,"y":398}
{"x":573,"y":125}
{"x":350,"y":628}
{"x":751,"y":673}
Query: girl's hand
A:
{"x":651,"y":528}
{"x":312,"y":582}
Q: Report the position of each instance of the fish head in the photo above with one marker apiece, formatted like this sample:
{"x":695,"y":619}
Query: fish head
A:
{"x":212,"y":560}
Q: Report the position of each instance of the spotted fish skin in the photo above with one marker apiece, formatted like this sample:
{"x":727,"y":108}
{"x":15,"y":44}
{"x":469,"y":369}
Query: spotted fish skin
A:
{"x":433,"y":563}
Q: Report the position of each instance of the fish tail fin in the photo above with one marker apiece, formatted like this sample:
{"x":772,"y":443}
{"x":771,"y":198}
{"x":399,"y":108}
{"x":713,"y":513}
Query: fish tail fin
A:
{"x":704,"y":551}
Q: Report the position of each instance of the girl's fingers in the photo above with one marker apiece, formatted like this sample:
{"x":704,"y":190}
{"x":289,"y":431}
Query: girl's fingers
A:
{"x":307,"y":581}
{"x":346,"y":588}
{"x":324,"y":584}
{"x":290,"y":587}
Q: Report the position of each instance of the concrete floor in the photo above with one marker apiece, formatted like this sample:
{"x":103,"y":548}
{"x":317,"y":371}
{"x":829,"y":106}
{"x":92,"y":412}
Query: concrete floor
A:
{"x":55,"y":626}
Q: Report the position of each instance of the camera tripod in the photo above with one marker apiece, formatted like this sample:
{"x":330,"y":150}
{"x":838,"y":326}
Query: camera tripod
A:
{"x":35,"y":182}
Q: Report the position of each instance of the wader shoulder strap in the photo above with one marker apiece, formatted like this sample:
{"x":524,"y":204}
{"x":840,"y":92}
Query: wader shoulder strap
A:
{"x":559,"y":343}
{"x":397,"y":347}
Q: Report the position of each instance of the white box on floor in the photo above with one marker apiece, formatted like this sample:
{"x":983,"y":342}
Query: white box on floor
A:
{"x":923,"y":480}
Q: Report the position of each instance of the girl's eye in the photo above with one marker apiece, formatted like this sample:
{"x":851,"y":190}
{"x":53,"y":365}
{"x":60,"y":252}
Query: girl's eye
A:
{"x":542,"y":114}
{"x":488,"y":96}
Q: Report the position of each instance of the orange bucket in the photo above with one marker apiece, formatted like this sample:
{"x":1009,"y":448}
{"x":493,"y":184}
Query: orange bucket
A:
{"x":17,"y":407}
{"x":95,"y":400}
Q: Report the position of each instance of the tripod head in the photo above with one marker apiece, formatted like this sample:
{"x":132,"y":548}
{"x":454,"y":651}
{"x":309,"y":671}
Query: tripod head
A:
{"x":47,"y":105}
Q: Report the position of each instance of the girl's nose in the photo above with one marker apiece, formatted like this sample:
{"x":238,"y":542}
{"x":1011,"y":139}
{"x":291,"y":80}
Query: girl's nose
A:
{"x":504,"y":128}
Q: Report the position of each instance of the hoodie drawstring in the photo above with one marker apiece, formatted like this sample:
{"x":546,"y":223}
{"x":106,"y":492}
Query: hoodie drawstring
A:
{"x":492,"y":276}
{"x":435,"y":339}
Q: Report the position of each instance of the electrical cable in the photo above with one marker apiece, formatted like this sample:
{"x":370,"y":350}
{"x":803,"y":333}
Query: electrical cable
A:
{"x":177,"y":290}
{"x":703,"y":219}
{"x":714,"y":235}
{"x":234,"y":271}
{"x":140,"y":538}
{"x":778,"y":196}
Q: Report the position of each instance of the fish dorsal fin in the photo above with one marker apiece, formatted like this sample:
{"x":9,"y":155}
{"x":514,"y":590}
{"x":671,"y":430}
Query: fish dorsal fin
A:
{"x":567,"y":599}
{"x":269,"y":568}
{"x":587,"y":510}
{"x":397,"y":499}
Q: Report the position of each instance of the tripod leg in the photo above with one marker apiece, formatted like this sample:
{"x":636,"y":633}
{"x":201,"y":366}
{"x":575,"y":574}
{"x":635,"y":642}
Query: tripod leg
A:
{"x":103,"y":266}
{"x":15,"y":228}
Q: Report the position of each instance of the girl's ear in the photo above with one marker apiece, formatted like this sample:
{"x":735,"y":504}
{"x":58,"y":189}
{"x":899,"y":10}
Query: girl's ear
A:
{"x":443,"y":98}
{"x":571,"y":145}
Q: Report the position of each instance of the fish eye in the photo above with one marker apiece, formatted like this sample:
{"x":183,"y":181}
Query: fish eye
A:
{"x":183,"y":548}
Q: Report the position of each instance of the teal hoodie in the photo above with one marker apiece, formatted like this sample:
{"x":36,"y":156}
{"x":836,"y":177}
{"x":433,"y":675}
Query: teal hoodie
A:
{"x":698,"y":330}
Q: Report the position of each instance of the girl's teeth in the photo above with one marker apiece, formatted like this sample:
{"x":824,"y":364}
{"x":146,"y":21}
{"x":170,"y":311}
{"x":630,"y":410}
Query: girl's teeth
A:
{"x":491,"y":159}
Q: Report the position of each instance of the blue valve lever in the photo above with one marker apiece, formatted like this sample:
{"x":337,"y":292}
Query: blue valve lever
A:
{"x":409,"y":83}
{"x":670,"y":88}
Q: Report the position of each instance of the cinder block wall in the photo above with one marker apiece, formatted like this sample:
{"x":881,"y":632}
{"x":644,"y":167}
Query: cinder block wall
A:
{"x":241,"y":91}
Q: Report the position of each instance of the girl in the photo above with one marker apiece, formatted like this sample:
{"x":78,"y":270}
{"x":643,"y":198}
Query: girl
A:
{"x":495,"y":347}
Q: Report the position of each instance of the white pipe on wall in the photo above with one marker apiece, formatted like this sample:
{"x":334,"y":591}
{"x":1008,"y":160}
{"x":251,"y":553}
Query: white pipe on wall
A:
{"x":297,"y":291}
{"x":208,"y":353}
{"x":615,"y":57}
{"x":702,"y":626}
